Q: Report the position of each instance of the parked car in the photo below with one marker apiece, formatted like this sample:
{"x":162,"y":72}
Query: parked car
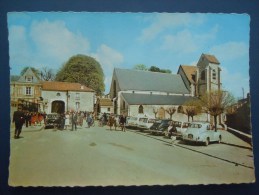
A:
{"x":131,"y":122}
{"x":181,"y":128}
{"x":160,"y":126}
{"x":145,"y":123}
{"x":53,"y":120}
{"x":201,"y":132}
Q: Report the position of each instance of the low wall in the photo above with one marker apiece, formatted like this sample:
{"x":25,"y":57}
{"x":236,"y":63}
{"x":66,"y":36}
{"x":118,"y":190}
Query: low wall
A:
{"x":245,"y":137}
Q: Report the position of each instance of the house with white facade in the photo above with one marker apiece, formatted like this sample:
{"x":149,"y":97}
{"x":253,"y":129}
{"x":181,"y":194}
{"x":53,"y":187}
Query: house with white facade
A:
{"x":61,"y":97}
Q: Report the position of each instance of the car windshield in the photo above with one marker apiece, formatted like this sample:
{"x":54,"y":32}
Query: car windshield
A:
{"x":194,"y":125}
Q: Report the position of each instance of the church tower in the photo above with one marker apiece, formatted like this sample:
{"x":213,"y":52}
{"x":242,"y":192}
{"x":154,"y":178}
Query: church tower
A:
{"x":208,"y":74}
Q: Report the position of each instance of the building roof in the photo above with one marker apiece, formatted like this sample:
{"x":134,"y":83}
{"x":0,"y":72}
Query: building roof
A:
{"x":148,"y":99}
{"x":211,"y":58}
{"x":105,"y":102}
{"x":189,"y":72}
{"x":29,"y":73}
{"x":149,"y":81}
{"x":64,"y":86}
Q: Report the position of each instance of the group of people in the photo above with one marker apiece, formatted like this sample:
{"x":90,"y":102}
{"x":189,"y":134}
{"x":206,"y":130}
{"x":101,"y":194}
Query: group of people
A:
{"x":67,"y":119}
{"x":117,"y":121}
{"x":74,"y":119}
{"x":29,"y":118}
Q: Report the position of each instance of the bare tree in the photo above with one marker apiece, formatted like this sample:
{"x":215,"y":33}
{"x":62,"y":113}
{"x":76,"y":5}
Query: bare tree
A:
{"x":216,"y":103}
{"x":192,"y":108}
{"x":171,"y":111}
{"x":155,"y":111}
{"x":47,"y":74}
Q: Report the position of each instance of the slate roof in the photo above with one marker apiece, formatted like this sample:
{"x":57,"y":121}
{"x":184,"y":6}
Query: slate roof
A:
{"x":64,"y":86}
{"x":148,"y":99}
{"x":149,"y":81}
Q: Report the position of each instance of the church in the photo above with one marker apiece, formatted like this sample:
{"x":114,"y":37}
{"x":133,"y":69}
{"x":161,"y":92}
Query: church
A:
{"x":136,"y":92}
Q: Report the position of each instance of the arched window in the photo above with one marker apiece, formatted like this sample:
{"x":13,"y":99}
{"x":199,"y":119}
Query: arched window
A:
{"x":180,"y":109}
{"x":140,"y":109}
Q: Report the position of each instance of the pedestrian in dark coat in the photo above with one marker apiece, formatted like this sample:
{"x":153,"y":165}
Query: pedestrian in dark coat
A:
{"x":18,"y":120}
{"x":74,"y":121}
{"x":123,"y":122}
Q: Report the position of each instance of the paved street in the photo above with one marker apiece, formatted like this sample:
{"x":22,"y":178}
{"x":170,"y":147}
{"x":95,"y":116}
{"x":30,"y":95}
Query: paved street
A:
{"x":100,"y":157}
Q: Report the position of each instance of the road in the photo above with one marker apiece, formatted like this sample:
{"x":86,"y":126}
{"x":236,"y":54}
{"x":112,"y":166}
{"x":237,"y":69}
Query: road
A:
{"x":97,"y":156}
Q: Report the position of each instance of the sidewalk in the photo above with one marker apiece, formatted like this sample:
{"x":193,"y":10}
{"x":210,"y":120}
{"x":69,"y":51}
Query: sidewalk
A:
{"x":231,"y":139}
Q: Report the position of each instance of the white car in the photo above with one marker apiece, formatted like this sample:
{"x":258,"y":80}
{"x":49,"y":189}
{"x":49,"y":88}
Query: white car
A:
{"x":181,"y":127}
{"x":145,"y":123}
{"x":131,"y":121}
{"x":201,"y":132}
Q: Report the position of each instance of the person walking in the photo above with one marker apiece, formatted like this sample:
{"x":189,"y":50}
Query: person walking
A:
{"x":18,"y":120}
{"x":67,"y":120}
{"x":74,"y":121}
{"x":123,"y":122}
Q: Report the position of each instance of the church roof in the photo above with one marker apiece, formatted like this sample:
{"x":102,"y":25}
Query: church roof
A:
{"x":151,"y":99}
{"x":211,"y":58}
{"x":189,"y":72}
{"x":64,"y":86}
{"x":149,"y":81}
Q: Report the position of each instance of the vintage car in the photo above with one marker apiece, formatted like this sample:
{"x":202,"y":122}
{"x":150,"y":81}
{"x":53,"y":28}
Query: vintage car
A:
{"x":53,"y":120}
{"x":181,"y":128}
{"x":159,"y":127}
{"x":145,"y":123}
{"x":201,"y":132}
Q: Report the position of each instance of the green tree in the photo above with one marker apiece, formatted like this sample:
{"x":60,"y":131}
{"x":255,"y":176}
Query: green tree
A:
{"x":84,"y":70}
{"x":156,"y":69}
{"x":216,"y":102}
{"x":140,"y":67}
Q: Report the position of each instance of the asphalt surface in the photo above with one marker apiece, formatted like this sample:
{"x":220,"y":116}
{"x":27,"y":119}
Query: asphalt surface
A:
{"x":100,"y":157}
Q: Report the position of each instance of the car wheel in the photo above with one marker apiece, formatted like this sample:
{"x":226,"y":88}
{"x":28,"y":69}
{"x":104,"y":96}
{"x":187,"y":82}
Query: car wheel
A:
{"x":220,"y":139}
{"x":207,"y":141}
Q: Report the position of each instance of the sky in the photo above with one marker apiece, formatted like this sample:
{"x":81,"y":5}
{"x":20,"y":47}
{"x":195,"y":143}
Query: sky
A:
{"x":123,"y":40}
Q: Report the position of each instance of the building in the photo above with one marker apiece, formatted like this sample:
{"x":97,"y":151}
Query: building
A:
{"x":61,"y":97}
{"x":104,"y":105}
{"x":34,"y":95}
{"x":25,"y":91}
{"x":143,"y":92}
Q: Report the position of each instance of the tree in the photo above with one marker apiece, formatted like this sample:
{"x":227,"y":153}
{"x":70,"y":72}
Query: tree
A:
{"x":140,"y":67}
{"x":156,"y":69}
{"x":84,"y":70}
{"x":216,"y":102}
{"x":47,"y":74}
{"x":171,"y":111}
{"x":192,"y":108}
{"x":155,"y":111}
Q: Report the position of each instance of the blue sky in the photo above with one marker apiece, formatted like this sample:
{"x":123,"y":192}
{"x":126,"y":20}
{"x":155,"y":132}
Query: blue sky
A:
{"x":165,"y":40}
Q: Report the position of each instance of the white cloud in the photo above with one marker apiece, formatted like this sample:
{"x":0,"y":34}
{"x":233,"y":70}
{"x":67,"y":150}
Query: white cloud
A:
{"x":230,"y":50}
{"x":54,"y":40}
{"x":108,"y":58}
{"x":163,"y":21}
{"x":186,"y":41}
{"x":181,"y":42}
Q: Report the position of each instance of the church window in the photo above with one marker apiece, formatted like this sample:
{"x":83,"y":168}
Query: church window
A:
{"x":214,"y":74}
{"x":140,"y":109}
{"x":180,"y":109}
{"x":28,"y":91}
